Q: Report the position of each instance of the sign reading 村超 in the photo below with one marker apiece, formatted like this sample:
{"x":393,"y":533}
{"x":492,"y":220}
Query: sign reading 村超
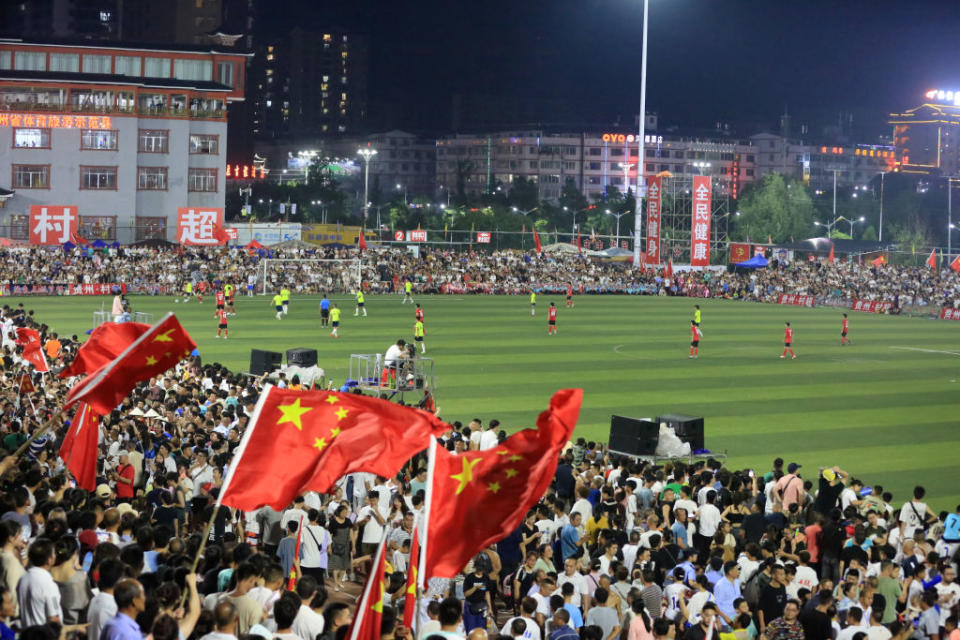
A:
{"x":700,"y":236}
{"x":195,"y":225}
{"x":51,"y":224}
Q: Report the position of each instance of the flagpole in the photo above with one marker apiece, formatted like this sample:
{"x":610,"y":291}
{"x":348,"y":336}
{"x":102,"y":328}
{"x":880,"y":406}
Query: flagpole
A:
{"x":364,"y":602}
{"x":42,"y":430}
{"x":425,"y":523}
{"x":203,"y":545}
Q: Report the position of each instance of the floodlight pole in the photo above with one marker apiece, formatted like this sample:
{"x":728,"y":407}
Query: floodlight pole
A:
{"x":641,"y":188}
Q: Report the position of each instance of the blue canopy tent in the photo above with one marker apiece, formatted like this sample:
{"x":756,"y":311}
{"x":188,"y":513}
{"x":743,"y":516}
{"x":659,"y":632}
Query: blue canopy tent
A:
{"x":756,"y":262}
{"x":68,"y":246}
{"x":98,"y":244}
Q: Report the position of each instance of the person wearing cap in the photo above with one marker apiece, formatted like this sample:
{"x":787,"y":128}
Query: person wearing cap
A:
{"x":789,"y":489}
{"x":829,"y":489}
{"x":727,"y":589}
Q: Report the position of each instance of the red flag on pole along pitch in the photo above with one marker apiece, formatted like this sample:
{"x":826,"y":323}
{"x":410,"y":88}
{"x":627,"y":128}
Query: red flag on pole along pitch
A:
{"x":579,"y":248}
{"x":879,"y":261}
{"x":362,"y":242}
{"x":159,"y":349}
{"x":831,"y":253}
{"x":955,"y":265}
{"x":105,"y":343}
{"x":369,"y":614}
{"x":668,"y":272}
{"x":477,"y":498}
{"x":79,"y":449}
{"x":536,"y":241}
{"x":410,"y":596}
{"x":932,"y":260}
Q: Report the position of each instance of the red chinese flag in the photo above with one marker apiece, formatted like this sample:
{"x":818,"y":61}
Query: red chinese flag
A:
{"x":955,"y":265}
{"x":410,"y":596}
{"x":478,"y":498}
{"x":25,"y":384}
{"x":105,"y":343}
{"x":831,"y":254}
{"x":221,"y":235}
{"x":76,"y":238}
{"x":29,"y":339}
{"x":362,"y":242}
{"x":879,"y":261}
{"x":579,"y":248}
{"x":536,"y":241}
{"x":79,"y":449}
{"x":157,"y":350}
{"x":301,"y":441}
{"x":668,"y":272}
{"x":932,"y":260}
{"x":369,"y":613}
{"x":27,"y":336}
{"x":292,"y":580}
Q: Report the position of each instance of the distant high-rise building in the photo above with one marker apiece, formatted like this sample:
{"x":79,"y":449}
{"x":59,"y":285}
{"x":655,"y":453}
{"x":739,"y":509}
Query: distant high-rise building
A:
{"x":308,"y":84}
{"x":171,"y":21}
{"x":72,"y":19}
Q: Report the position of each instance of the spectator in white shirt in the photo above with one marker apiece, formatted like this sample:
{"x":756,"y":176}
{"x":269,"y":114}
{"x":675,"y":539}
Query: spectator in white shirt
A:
{"x":309,"y":621}
{"x":102,"y":606}
{"x":37,"y":593}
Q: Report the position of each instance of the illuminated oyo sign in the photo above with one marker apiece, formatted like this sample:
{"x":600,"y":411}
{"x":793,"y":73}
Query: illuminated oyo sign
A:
{"x":944,"y":97}
{"x":629,"y":137}
{"x":48,"y":121}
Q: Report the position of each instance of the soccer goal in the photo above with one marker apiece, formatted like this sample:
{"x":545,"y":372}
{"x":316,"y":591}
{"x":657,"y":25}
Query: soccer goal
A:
{"x":311,"y":275}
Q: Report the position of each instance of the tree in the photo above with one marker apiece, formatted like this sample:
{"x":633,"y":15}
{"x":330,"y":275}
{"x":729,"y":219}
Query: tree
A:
{"x":777,"y":207}
{"x":869,"y":234}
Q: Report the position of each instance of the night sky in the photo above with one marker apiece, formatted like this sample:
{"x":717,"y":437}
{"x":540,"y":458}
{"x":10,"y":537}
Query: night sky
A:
{"x":578,"y":61}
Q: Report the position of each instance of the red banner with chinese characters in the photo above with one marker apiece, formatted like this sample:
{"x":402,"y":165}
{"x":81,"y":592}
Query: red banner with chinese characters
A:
{"x":799,"y":301}
{"x":51,"y":224}
{"x":51,"y":121}
{"x":871,"y":306}
{"x":949,"y":314}
{"x":195,"y":225}
{"x":739,"y":252}
{"x":99,"y":289}
{"x":653,"y":220}
{"x":700,"y":236}
{"x":483,"y":237}
{"x":417,"y":235}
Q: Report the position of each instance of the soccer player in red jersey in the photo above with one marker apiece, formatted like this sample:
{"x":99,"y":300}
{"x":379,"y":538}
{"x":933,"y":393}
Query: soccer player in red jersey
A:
{"x":221,"y":300}
{"x":419,"y":312}
{"x":843,"y":331}
{"x":787,"y":341}
{"x":221,"y":316}
{"x":695,"y":335}
{"x":552,"y":319}
{"x":201,"y":287}
{"x":570,"y":296}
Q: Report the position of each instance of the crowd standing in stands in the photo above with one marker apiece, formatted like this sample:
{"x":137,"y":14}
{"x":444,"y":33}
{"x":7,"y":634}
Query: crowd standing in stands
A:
{"x":443,"y":270}
{"x":617,"y":549}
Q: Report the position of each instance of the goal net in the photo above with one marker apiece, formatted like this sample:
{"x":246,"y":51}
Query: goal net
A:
{"x":310,"y":276}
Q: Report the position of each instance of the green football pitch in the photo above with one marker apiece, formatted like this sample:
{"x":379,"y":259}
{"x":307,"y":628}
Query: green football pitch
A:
{"x":886,"y":408}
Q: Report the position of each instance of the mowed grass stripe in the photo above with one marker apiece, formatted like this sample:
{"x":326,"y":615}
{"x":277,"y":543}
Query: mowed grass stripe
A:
{"x":872,"y":409}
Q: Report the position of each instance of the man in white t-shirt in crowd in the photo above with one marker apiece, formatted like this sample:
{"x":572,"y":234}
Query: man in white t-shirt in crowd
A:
{"x":581,"y":597}
{"x":914,"y":514}
{"x":37,"y":593}
{"x":372,"y":520}
{"x":806,"y":576}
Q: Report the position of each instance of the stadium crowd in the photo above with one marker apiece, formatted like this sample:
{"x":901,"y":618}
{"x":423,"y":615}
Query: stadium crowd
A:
{"x":617,"y":549}
{"x":433,"y":270}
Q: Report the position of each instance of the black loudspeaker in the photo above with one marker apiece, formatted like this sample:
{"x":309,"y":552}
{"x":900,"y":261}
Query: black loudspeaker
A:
{"x":302,"y":357}
{"x":633,"y":437}
{"x":262,"y":362}
{"x":688,"y":428}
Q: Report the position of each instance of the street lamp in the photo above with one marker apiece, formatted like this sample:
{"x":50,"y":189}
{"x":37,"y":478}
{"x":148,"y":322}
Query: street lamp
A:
{"x":853,"y":222}
{"x":366,"y":153}
{"x":617,"y":215}
{"x":527,"y":212}
{"x":638,"y":218}
{"x":399,"y":187}
{"x":626,"y":166}
{"x":883,"y":174}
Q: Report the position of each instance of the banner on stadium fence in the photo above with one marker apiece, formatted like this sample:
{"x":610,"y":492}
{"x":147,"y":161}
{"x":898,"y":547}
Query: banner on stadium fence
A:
{"x":760,"y":250}
{"x":268,"y":233}
{"x":195,"y":225}
{"x":871,"y":306}
{"x":52,"y":224}
{"x":232,"y":233}
{"x":700,"y":237}
{"x":483,"y":237}
{"x":800,"y":301}
{"x":739,"y":252}
{"x":653,"y":220}
{"x":98,"y":289}
{"x":949,"y":314}
{"x":417,"y":235}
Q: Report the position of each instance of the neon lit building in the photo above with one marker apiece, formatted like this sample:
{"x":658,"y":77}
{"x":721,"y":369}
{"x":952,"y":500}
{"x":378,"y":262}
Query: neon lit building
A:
{"x":126,"y":134}
{"x":927,"y":137}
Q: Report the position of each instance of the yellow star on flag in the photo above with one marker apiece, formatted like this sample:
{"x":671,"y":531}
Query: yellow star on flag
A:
{"x":511,"y":472}
{"x":334,"y":432}
{"x":378,"y":605}
{"x":466,"y":474}
{"x":332,"y":399}
{"x":292,"y":413}
{"x":319,"y":444}
{"x":514,"y":458}
{"x":151,"y":360}
{"x":412,"y":589}
{"x":502,"y":452}
{"x":494,"y":487}
{"x":164,"y":337}
{"x":341,"y":413}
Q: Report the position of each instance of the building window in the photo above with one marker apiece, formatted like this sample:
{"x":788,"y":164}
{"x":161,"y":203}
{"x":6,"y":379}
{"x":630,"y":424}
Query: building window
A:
{"x":225,"y":73}
{"x":126,"y":66}
{"x":208,"y":144}
{"x":31,"y":138}
{"x":595,"y":151}
{"x":651,"y":168}
{"x":29,"y":61}
{"x":97,"y":178}
{"x":193,"y":70}
{"x":152,"y":178}
{"x":154,"y":141}
{"x":31,"y":176}
{"x":97,"y":140}
{"x":749,"y":158}
{"x":749,"y":172}
{"x":202,"y":180}
{"x":68,"y":62}
{"x":156,"y":67}
{"x":4,"y":60}
{"x":96,"y":64}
